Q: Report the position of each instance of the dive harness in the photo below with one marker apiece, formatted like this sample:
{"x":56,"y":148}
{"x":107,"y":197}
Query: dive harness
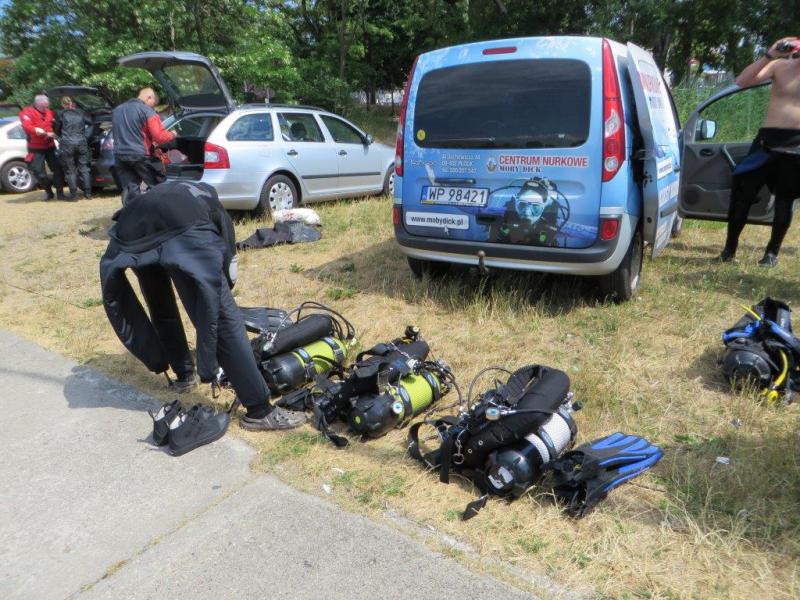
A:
{"x":520,"y":431}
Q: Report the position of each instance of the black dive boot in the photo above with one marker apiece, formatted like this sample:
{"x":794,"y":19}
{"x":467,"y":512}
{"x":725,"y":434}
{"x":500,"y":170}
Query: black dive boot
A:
{"x":185,"y":382}
{"x":196,"y":427}
{"x":162,"y":420}
{"x":770,"y":260}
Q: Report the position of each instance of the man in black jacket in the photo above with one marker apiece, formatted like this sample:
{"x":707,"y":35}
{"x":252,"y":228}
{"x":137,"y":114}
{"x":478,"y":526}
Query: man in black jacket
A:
{"x":72,"y":126}
{"x":179,"y":233}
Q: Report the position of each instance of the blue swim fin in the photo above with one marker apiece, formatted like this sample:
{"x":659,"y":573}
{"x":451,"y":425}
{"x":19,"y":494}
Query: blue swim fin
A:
{"x":584,"y":476}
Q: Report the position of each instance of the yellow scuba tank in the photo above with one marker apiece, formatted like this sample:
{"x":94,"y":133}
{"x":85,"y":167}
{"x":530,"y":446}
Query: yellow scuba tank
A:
{"x":375,"y":415}
{"x":294,"y":369}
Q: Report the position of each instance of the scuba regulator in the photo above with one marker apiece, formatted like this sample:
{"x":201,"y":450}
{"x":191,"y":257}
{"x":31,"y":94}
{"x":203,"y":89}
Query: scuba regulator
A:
{"x":507,"y":437}
{"x":761,"y":349}
{"x":387,"y":386}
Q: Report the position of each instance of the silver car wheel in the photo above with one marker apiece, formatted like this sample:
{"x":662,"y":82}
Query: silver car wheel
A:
{"x":19,"y":178}
{"x":391,"y":183}
{"x":281,"y":197}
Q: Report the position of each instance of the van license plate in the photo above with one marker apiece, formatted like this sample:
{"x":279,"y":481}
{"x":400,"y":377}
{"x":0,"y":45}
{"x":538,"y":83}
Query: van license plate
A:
{"x":437,"y":194}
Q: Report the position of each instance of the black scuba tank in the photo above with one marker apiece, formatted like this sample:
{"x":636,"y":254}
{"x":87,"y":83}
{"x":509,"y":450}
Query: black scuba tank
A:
{"x":308,"y":329}
{"x":746,"y":361}
{"x":536,"y":393}
{"x":514,"y":469}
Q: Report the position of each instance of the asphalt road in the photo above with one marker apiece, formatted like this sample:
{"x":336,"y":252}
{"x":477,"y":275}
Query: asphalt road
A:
{"x":89,"y":509}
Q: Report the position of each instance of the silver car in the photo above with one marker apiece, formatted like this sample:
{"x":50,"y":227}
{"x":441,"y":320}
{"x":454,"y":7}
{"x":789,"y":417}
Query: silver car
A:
{"x":15,"y":174}
{"x":260,"y":157}
{"x":272,"y":157}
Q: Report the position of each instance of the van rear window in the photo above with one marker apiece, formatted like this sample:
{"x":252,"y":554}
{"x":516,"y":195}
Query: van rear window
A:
{"x":543,"y":103}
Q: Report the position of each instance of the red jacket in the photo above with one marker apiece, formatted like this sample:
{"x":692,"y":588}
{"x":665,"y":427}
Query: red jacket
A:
{"x":32,"y":119}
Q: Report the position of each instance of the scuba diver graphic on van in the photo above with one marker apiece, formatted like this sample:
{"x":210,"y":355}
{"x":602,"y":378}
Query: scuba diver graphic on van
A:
{"x":529,"y":211}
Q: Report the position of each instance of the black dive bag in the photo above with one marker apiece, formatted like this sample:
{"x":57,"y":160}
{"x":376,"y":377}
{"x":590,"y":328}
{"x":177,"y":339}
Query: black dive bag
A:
{"x":761,"y":349}
{"x":504,"y":441}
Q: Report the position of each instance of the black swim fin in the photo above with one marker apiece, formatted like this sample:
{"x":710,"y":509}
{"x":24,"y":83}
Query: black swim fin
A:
{"x":584,"y":476}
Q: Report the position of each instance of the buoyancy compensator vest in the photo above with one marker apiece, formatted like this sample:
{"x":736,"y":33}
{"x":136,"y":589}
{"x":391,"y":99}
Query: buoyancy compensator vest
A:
{"x":760,"y":349}
{"x":505,"y":439}
{"x":387,"y":386}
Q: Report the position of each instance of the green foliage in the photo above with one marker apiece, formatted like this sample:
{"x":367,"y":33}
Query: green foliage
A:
{"x":320,"y":51}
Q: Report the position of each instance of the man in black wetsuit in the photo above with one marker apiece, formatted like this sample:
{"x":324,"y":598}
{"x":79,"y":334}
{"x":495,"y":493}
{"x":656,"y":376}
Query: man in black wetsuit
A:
{"x":774,"y":158}
{"x":72,"y":127}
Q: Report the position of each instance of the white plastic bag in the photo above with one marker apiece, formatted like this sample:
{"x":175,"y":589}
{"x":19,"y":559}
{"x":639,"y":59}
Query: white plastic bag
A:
{"x":305,"y":215}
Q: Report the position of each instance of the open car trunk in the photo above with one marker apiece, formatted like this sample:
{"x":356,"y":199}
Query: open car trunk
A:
{"x":192,"y":168}
{"x":192,"y":129}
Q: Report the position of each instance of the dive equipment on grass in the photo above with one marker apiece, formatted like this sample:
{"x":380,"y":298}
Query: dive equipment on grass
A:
{"x":411,"y":395}
{"x":505,"y":439}
{"x":291,"y":353}
{"x":387,"y":386}
{"x":584,"y":476}
{"x":761,"y":349}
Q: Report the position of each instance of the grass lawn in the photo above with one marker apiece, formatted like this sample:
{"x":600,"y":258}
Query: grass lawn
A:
{"x":691,"y":528}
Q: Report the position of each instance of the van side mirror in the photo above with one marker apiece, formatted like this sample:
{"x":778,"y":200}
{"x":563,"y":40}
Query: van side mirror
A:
{"x":368,"y":139}
{"x":706,"y":130}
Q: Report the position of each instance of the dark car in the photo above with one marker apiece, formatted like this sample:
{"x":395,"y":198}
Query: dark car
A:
{"x":93,"y":102}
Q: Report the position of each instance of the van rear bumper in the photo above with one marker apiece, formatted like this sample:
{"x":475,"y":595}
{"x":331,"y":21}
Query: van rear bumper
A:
{"x":600,"y":259}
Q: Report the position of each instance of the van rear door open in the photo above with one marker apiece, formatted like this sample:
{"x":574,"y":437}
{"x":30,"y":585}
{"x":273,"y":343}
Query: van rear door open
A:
{"x":659,"y":126}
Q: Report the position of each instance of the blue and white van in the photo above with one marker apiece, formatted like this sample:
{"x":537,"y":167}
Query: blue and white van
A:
{"x":553,"y":154}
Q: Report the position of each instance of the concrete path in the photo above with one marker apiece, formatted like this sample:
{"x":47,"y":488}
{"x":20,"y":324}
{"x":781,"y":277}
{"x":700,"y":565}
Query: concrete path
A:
{"x":89,"y":509}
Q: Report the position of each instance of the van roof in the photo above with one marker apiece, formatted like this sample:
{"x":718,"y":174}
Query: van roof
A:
{"x":519,"y":42}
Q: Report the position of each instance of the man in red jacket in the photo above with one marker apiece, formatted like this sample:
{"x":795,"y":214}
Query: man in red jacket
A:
{"x":37,"y":122}
{"x":137,"y":130}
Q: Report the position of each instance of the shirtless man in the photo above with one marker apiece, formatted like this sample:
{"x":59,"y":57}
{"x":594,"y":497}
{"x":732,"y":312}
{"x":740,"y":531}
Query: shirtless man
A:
{"x":774,"y":157}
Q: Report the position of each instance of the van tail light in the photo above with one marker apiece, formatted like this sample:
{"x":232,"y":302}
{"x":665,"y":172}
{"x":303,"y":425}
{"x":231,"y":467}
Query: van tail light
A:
{"x":215,"y":157}
{"x":609,"y":228}
{"x":396,"y":215}
{"x":613,"y":117}
{"x":401,"y":125}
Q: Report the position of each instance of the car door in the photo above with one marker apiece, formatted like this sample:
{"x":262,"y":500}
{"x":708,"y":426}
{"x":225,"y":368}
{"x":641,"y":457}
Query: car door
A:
{"x":250,"y":142}
{"x":716,"y":138}
{"x":311,"y":157}
{"x":659,"y":127}
{"x":359,"y":170}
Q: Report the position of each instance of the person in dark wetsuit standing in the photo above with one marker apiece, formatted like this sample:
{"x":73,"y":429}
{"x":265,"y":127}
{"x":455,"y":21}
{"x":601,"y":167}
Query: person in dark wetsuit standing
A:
{"x":72,"y":127}
{"x":774,"y":157}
